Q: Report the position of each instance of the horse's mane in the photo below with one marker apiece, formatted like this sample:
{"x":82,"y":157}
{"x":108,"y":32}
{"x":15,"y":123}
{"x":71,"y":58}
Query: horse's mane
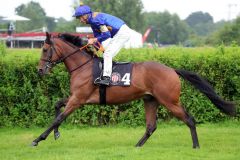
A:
{"x":75,"y":40}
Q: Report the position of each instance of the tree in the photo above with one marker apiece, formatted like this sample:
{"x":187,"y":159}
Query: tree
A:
{"x":66,"y":26}
{"x":166,"y":28}
{"x":198,"y":17}
{"x":201,"y":23}
{"x":37,"y":16}
{"x":34,"y":12}
{"x":228,"y":35}
{"x":129,"y":11}
{"x":51,"y":24}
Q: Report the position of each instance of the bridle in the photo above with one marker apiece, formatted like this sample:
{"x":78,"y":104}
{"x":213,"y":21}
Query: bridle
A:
{"x":50,"y":63}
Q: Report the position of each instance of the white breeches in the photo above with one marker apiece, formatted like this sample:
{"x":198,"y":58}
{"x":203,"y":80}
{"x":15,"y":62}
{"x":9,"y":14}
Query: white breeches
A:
{"x":112,"y":46}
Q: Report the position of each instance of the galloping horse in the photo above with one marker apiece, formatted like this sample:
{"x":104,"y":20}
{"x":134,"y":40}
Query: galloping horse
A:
{"x":155,"y":83}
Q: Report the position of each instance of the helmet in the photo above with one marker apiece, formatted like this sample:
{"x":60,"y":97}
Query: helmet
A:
{"x":82,"y":10}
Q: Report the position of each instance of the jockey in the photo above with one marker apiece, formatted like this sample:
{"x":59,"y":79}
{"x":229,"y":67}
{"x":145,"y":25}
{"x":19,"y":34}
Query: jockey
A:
{"x":110,"y":31}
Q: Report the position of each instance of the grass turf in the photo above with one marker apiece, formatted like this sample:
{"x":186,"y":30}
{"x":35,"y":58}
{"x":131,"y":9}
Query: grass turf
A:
{"x":217,"y":141}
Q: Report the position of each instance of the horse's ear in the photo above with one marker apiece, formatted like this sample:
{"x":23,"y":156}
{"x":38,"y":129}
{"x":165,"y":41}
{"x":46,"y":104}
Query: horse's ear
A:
{"x":48,"y":37}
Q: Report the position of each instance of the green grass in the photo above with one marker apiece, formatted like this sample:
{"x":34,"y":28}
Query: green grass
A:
{"x":218,"y":141}
{"x":21,"y":55}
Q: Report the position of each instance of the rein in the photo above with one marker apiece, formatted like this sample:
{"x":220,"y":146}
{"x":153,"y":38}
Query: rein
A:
{"x":63,"y":58}
{"x":80,"y":49}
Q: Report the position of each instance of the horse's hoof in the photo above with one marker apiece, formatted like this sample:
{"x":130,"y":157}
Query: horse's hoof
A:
{"x":196,"y":147}
{"x":56,"y":135}
{"x":138,"y":145}
{"x":34,"y":144}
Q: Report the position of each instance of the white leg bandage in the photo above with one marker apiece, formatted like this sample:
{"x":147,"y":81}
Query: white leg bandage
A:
{"x":112,"y":46}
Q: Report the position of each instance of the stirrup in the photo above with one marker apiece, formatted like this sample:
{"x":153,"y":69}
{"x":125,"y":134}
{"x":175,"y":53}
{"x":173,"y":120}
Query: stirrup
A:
{"x":103,"y":80}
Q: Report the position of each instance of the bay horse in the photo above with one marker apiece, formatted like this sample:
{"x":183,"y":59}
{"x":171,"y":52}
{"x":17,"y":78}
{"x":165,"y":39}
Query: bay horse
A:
{"x":155,"y":83}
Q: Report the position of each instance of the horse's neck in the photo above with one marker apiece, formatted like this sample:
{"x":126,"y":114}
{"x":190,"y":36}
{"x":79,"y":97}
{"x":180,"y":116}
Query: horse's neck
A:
{"x":75,"y":59}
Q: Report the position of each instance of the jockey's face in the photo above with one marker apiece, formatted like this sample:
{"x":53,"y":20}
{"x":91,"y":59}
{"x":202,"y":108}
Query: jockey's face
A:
{"x":83,"y":19}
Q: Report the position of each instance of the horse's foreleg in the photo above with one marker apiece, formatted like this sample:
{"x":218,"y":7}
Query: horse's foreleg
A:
{"x":61,"y":103}
{"x":70,"y":107}
{"x":150,"y":105}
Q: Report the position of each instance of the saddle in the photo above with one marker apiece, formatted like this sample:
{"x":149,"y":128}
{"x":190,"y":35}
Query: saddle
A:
{"x":121,"y":75}
{"x":121,"y":72}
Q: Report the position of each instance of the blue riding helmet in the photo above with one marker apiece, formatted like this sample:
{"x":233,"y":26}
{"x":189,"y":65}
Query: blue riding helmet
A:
{"x":82,"y":10}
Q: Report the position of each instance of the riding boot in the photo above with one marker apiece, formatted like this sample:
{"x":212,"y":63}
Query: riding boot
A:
{"x":107,"y":71}
{"x":103,"y":80}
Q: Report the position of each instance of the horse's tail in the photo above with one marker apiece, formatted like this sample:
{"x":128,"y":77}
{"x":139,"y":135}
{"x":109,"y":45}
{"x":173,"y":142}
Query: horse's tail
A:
{"x":201,"y":84}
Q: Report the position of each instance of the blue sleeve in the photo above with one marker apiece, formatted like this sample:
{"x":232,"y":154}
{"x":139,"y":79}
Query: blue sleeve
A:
{"x":103,"y":36}
{"x":96,"y":34}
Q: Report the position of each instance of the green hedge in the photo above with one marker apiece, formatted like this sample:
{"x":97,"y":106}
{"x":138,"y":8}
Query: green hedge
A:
{"x":2,"y":48}
{"x":26,"y":99}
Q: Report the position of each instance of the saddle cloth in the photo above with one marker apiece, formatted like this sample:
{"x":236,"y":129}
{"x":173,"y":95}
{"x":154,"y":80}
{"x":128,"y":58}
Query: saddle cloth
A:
{"x":121,"y":72}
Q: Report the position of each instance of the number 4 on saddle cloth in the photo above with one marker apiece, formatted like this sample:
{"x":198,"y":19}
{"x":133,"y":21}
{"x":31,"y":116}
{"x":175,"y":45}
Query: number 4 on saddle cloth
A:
{"x":121,"y":72}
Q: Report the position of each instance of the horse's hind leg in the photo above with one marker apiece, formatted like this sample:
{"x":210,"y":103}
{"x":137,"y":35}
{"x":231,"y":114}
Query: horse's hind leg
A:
{"x":150,"y":105}
{"x":61,"y":103}
{"x":178,"y":111}
{"x":190,"y":121}
{"x":168,"y":95}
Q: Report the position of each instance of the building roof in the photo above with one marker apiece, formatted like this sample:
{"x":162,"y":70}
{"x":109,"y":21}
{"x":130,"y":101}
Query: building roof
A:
{"x":33,"y":36}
